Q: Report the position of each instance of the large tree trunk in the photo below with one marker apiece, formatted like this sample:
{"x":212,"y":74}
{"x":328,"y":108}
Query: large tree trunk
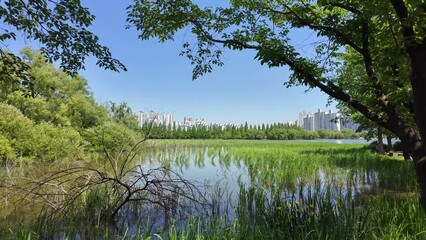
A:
{"x":406,"y":153}
{"x":417,"y":149}
{"x":389,"y":140}
{"x":418,"y":153}
{"x":417,"y":53}
{"x":380,"y":147}
{"x":418,"y":83}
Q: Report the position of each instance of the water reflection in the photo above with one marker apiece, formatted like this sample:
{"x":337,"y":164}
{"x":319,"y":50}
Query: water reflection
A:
{"x":223,"y":173}
{"x":214,"y":165}
{"x":236,"y":180}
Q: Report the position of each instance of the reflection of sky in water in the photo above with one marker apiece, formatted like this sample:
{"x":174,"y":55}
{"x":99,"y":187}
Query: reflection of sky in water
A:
{"x":339,"y":141}
{"x":216,"y":168}
{"x":210,"y":171}
{"x":219,"y":175}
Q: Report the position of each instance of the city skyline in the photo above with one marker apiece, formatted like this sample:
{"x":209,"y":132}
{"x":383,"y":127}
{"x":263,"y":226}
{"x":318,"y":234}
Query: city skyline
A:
{"x":159,"y":79}
{"x":318,"y":120}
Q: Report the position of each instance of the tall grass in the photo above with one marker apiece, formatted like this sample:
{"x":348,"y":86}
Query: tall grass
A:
{"x":286,"y":190}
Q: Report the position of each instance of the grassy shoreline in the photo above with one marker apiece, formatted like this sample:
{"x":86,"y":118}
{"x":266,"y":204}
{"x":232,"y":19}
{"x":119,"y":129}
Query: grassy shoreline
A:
{"x":332,"y":205}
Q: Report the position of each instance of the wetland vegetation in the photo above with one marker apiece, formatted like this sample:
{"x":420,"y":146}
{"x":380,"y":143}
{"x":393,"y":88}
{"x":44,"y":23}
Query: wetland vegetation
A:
{"x":72,"y":168}
{"x":249,"y":190}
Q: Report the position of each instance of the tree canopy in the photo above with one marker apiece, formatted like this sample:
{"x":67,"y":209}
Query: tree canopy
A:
{"x":61,"y":120}
{"x":370,"y":55}
{"x":62,"y":29}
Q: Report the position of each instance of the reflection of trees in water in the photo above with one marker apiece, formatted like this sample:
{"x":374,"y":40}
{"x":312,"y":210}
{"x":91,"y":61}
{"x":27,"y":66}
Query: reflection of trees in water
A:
{"x":93,"y":192}
{"x":342,"y":171}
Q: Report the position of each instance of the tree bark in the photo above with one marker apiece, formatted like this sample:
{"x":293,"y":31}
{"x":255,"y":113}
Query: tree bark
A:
{"x":416,"y":49}
{"x":405,"y":152}
{"x":418,"y":82}
{"x":417,"y":149}
{"x":418,"y":152}
{"x":389,"y":140}
{"x":380,"y":147}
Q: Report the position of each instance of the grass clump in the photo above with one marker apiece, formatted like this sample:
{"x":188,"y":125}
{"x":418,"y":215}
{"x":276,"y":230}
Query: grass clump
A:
{"x":275,"y":190}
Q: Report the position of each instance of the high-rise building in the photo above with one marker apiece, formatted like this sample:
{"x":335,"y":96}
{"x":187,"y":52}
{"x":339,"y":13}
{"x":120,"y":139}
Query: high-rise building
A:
{"x":300,"y":122}
{"x":154,"y":118}
{"x":325,"y":120}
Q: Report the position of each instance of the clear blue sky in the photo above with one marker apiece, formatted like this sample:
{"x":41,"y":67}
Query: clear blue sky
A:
{"x":159,"y":79}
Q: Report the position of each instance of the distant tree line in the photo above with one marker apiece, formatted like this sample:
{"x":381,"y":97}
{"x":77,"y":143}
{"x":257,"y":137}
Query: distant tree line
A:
{"x":276,"y":131}
{"x":55,"y":117}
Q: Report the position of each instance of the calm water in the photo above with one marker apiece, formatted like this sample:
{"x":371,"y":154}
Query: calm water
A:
{"x":337,"y":141}
{"x":340,"y":141}
{"x":214,"y":166}
{"x":291,"y":170}
{"x":220,"y":174}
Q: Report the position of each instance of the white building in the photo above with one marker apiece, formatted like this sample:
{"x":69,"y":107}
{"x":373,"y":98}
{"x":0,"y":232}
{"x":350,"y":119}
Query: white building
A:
{"x":152,"y":117}
{"x":325,"y":120}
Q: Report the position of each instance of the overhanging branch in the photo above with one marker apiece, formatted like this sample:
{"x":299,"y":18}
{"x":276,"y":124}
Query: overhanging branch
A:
{"x":330,"y":88}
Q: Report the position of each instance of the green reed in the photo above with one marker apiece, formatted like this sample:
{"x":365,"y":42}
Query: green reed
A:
{"x":291,"y":191}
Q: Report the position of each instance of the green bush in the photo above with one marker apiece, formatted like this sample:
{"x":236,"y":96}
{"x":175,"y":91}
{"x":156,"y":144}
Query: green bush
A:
{"x":20,"y":136}
{"x":111,"y":136}
{"x":6,"y":150}
{"x":56,"y":143}
{"x":16,"y":129}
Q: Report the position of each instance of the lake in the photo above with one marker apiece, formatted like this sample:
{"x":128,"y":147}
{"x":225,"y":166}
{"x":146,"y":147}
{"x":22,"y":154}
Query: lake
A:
{"x":262,"y":189}
{"x":340,"y":169}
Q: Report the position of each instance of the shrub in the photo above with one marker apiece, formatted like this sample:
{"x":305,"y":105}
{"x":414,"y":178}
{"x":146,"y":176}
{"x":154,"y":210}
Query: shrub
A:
{"x":6,"y":150}
{"x":16,"y":129}
{"x":56,"y":143}
{"x":112,"y":136}
{"x":20,"y":136}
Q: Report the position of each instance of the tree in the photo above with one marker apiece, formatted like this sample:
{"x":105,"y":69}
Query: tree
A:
{"x":111,"y":136}
{"x":56,"y":97}
{"x":60,"y":26}
{"x":21,"y":137}
{"x":370,"y":30}
{"x":123,"y":113}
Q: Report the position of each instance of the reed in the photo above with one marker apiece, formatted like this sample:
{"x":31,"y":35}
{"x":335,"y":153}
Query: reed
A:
{"x":267,"y":190}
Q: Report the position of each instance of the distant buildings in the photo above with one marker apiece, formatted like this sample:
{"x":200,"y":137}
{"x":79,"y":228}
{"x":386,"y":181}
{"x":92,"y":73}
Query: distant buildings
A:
{"x":158,"y":119}
{"x":325,"y":120}
{"x":190,"y":122}
{"x":154,"y":118}
{"x":309,"y":121}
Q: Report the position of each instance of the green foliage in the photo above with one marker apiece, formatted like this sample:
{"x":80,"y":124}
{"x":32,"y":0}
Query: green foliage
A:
{"x":43,"y":142}
{"x":45,"y":124}
{"x":61,"y":27}
{"x":123,"y":114}
{"x":344,"y":134}
{"x":57,"y":98}
{"x":56,"y":143}
{"x":277,"y":131}
{"x":17,"y":129}
{"x":112,"y":137}
{"x":6,"y":150}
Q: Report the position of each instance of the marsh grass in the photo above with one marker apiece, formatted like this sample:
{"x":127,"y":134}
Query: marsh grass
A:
{"x":285,"y":190}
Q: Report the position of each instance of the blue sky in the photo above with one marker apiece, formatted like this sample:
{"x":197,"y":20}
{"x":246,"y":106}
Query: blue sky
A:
{"x":159,"y":79}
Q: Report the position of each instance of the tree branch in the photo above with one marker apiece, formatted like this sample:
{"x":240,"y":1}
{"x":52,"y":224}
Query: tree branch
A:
{"x":407,"y":27}
{"x":338,"y":34}
{"x":330,"y":88}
